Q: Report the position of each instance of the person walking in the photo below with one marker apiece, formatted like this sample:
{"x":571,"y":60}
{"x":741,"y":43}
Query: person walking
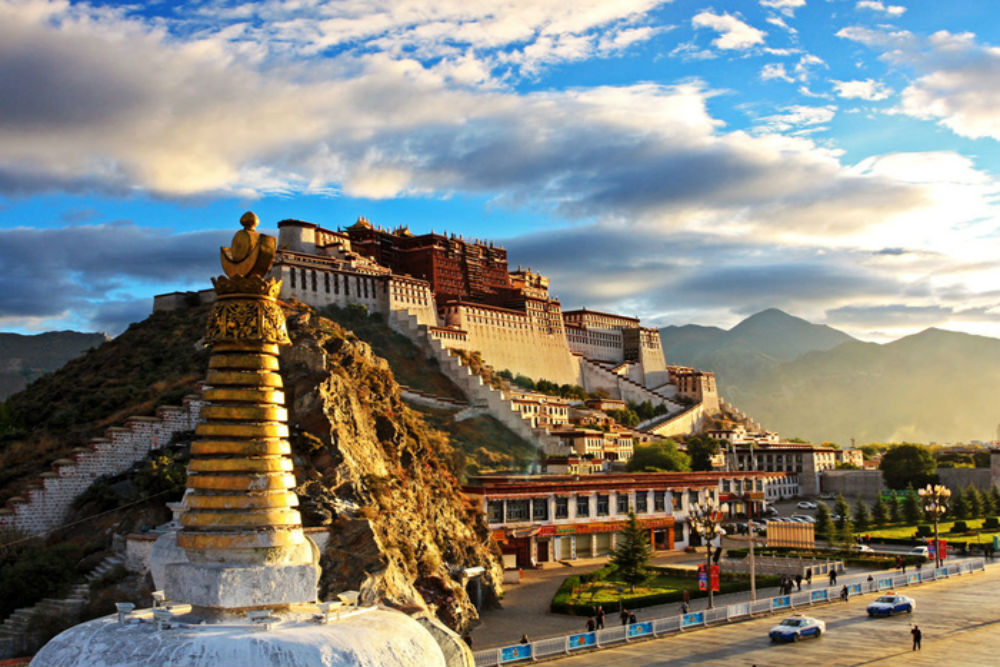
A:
{"x":844,"y":594}
{"x":631,"y":618}
{"x":798,"y":581}
{"x":917,"y":636}
{"x":599,"y":617}
{"x":685,"y":607}
{"x":871,"y":583}
{"x":624,"y":616}
{"x":809,"y":576}
{"x":524,"y":639}
{"x":591,"y":625}
{"x":833,"y":576}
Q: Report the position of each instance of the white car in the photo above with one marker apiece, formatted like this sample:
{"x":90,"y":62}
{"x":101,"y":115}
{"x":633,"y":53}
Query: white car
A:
{"x":862,"y":547}
{"x":794,"y":628}
{"x":891,"y":603}
{"x":919,"y":551}
{"x":802,"y":518}
{"x":807,"y":505}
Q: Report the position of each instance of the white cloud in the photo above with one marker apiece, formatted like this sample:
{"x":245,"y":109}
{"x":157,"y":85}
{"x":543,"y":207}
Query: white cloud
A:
{"x":803,"y":68}
{"x":780,"y":22}
{"x":775,"y":71}
{"x":876,"y":6}
{"x":798,"y":116}
{"x":958,"y":82}
{"x":734,"y":34}
{"x":786,"y":7}
{"x":866,"y":90}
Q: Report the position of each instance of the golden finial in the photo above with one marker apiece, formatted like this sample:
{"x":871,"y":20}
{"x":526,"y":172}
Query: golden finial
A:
{"x":251,"y":254}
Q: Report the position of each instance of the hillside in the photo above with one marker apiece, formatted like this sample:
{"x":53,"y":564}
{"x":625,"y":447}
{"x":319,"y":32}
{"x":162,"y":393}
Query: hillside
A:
{"x":27,"y":358}
{"x":934,"y":386}
{"x":751,"y":348}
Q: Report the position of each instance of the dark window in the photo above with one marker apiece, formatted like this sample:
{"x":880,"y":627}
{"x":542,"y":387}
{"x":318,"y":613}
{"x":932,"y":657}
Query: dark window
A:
{"x":659,"y":501}
{"x":326,"y":282}
{"x":583,"y":505}
{"x":347,"y":286}
{"x":292,"y":272}
{"x":303,"y":276}
{"x":517,"y":510}
{"x":314,"y":280}
{"x":494,"y":511}
{"x":602,"y":505}
{"x":641,"y":502}
{"x":693,"y":497}
{"x":562,"y":507}
{"x":623,"y":503}
{"x":540,"y":509}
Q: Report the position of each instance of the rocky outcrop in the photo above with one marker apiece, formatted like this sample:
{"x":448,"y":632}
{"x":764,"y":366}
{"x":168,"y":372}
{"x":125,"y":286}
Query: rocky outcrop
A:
{"x":380,"y":479}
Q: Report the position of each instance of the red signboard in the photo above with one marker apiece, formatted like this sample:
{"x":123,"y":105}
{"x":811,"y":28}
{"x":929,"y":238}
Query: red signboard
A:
{"x":931,"y":550}
{"x":714,"y":577}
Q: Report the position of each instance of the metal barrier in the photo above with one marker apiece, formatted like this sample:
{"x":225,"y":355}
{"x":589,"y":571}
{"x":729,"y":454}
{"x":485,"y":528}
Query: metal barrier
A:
{"x":654,"y":628}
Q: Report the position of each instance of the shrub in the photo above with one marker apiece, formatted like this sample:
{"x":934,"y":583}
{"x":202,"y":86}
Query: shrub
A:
{"x":959,"y":527}
{"x":992,"y":522}
{"x":925,"y":531}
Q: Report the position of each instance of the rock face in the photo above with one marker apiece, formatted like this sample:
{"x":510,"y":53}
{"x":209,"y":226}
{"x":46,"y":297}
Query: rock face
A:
{"x":370,"y":469}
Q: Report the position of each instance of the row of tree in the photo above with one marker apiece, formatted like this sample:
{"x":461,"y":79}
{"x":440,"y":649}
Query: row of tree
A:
{"x":666,"y":456}
{"x":969,"y":503}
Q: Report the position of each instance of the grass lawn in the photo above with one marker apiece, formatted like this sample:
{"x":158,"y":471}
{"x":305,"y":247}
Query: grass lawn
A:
{"x":944,"y":530}
{"x":606,"y":591}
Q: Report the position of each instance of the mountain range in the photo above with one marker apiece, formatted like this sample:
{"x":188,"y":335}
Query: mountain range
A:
{"x":811,"y":381}
{"x":26,"y":358}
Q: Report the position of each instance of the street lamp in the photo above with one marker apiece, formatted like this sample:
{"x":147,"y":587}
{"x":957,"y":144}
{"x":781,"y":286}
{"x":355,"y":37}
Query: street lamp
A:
{"x":935,"y":503}
{"x":704,"y":519}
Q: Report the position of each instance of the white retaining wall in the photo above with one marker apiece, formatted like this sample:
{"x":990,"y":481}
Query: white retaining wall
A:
{"x":47,"y":504}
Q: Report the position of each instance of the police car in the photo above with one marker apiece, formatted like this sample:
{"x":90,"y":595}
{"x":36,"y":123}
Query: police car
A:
{"x":891,"y":603}
{"x":794,"y":628}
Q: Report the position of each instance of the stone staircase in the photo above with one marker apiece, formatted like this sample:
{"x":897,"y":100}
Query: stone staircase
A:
{"x":15,"y":639}
{"x":629,"y":389}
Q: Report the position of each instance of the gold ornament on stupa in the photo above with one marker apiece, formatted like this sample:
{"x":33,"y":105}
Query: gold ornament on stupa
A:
{"x":240,"y":504}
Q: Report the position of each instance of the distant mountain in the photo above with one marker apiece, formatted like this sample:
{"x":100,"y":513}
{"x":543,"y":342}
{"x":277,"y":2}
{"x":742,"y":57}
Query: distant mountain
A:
{"x":754,"y":346}
{"x":26,"y":358}
{"x":934,"y":386}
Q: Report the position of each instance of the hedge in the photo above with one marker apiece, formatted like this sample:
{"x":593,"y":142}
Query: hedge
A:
{"x":729,"y":582}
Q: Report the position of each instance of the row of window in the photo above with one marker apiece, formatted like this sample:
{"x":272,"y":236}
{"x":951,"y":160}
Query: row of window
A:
{"x":308,"y":279}
{"x":514,"y":510}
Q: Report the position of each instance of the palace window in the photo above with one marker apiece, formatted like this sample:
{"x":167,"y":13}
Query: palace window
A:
{"x":562,"y":507}
{"x":303,"y":276}
{"x":622,"y":503}
{"x":326,"y":282}
{"x":659,"y":501}
{"x":692,"y":497}
{"x":292,"y":273}
{"x":313,"y":280}
{"x":678,"y":499}
{"x":641,"y":502}
{"x":494,"y":511}
{"x":602,"y":505}
{"x":583,"y":505}
{"x":540,"y":509}
{"x":517,"y":510}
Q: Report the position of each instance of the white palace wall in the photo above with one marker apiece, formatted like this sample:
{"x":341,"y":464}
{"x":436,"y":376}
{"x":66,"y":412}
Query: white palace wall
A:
{"x":48,"y":503}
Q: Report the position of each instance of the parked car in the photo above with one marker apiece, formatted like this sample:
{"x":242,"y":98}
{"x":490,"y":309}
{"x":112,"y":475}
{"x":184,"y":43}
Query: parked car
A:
{"x":794,"y":628}
{"x":827,"y":496}
{"x":892,"y":603}
{"x":802,"y":518}
{"x":862,"y":547}
{"x":772,"y":510}
{"x":807,"y":505}
{"x":919,"y":551}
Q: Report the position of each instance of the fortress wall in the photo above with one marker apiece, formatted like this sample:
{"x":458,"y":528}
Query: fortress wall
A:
{"x":342,"y":288}
{"x":599,"y":344}
{"x":852,"y":483}
{"x":597,"y":377}
{"x":654,"y":366}
{"x":414,"y":297}
{"x":687,"y":422}
{"x":957,"y":479}
{"x":48,"y":503}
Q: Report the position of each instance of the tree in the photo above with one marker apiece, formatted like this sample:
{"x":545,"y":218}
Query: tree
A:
{"x":701,"y":449}
{"x":823,"y":523}
{"x":880,"y":512}
{"x":908,"y":464}
{"x":974,"y":502}
{"x":995,"y":492}
{"x":624,"y":417}
{"x":658,"y":457}
{"x":895,"y":511}
{"x":862,"y":517}
{"x":631,"y":555}
{"x":959,"y":507}
{"x":913,"y":513}
{"x":843,"y":512}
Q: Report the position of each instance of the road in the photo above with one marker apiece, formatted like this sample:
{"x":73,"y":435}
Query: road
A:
{"x":959,"y":619}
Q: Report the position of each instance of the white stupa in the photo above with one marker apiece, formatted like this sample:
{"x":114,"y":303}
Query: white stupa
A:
{"x":240,"y":576}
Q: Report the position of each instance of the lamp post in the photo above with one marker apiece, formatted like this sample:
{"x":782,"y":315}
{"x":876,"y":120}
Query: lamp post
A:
{"x":704,"y":519}
{"x":751,"y":531}
{"x":935,"y":498}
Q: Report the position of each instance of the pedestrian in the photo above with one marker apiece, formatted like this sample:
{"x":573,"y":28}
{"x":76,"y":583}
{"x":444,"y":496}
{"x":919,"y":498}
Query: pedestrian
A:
{"x":624,"y":616}
{"x":631,"y":618}
{"x":685,"y":607}
{"x":871,"y":583}
{"x":600,"y":617}
{"x":590,"y":624}
{"x":833,"y":576}
{"x":798,"y":580}
{"x":809,"y":576}
{"x":844,"y":594}
{"x":524,"y":639}
{"x":899,"y":562}
{"x":917,"y":636}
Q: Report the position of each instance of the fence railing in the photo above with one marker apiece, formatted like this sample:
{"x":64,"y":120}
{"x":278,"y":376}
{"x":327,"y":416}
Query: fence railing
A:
{"x":658,"y":627}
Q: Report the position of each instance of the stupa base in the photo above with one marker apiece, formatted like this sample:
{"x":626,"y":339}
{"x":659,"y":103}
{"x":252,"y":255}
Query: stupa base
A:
{"x":241,"y":586}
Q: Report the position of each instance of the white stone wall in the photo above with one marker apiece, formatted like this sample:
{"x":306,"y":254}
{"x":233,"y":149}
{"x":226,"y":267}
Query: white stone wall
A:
{"x":48,"y":503}
{"x":597,"y":377}
{"x":599,"y":344}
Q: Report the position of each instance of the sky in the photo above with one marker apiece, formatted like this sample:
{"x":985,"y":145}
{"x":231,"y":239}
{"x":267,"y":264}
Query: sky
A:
{"x":686,"y":162}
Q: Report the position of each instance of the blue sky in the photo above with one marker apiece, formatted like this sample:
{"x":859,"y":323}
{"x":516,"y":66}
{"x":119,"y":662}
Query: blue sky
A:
{"x":686,"y":162}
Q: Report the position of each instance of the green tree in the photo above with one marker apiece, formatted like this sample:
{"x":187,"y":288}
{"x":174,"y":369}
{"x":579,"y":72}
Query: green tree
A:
{"x":862,"y":517}
{"x":913,"y":513}
{"x":989,"y":508}
{"x":843,"y":512}
{"x":845,"y":535}
{"x":995,"y":493}
{"x":658,"y":457}
{"x":823,"y":523}
{"x":974,"y":501}
{"x":625,"y":417}
{"x":895,"y":511}
{"x":959,"y":506}
{"x":631,"y":556}
{"x":701,"y":449}
{"x":880,"y":512}
{"x":908,"y":464}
